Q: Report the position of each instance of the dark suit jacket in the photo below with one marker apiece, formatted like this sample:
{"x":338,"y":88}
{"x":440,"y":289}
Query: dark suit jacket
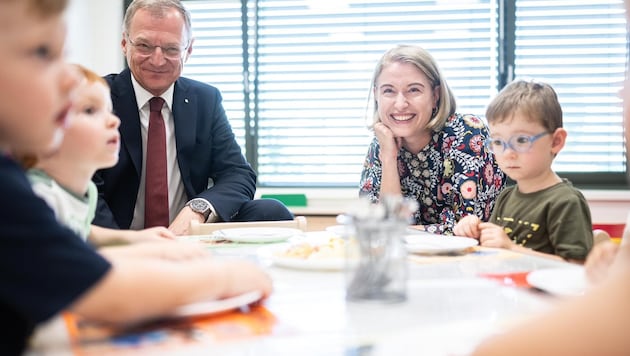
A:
{"x":206,"y":150}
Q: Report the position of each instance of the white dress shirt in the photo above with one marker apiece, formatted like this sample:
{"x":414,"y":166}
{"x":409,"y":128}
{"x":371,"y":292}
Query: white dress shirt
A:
{"x":176,"y":193}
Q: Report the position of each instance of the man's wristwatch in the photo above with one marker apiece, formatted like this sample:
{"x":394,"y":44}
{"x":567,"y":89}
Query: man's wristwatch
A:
{"x":201,"y":206}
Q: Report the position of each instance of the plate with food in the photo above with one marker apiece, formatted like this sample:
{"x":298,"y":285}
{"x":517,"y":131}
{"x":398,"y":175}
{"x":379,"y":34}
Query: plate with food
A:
{"x":257,"y":234}
{"x":563,"y":281}
{"x":315,"y":254}
{"x":217,"y":306}
{"x":431,"y":244}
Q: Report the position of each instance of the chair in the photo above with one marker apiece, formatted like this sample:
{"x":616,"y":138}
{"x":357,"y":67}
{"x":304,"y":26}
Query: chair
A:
{"x":197,"y":228}
{"x":600,"y":236}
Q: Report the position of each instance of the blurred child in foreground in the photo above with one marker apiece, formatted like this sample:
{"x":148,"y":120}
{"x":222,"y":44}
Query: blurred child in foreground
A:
{"x":45,"y":267}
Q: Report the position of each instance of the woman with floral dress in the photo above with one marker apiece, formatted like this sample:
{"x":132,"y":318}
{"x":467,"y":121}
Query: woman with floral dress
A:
{"x":423,"y":149}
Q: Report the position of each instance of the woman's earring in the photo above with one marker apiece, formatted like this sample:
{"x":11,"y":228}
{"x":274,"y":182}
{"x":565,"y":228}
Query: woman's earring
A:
{"x":433,"y":112}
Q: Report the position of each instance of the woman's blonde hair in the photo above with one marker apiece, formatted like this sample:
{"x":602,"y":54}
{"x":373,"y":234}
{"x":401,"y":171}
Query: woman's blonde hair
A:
{"x":423,"y":60}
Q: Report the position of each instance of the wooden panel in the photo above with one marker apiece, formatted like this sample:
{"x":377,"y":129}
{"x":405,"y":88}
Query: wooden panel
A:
{"x":320,"y":222}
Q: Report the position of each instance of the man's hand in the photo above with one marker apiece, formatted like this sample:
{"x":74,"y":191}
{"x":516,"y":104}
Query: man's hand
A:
{"x":181,"y":224}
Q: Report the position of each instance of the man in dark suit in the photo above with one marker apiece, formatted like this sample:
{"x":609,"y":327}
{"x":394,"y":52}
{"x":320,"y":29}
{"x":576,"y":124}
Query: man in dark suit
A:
{"x":206,"y":175}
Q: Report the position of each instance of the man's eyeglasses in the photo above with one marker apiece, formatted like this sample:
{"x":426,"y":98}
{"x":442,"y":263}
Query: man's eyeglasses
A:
{"x":146,"y":49}
{"x":518,"y":143}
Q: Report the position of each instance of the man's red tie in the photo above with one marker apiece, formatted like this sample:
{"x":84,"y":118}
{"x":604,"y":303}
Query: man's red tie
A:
{"x":156,"y":183}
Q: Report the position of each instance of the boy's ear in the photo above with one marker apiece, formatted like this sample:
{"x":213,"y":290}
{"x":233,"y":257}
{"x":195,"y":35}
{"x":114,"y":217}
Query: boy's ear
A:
{"x":558,"y":140}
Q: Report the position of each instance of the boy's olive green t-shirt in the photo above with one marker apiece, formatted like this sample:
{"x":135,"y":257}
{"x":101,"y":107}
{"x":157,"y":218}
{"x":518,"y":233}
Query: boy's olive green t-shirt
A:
{"x":556,"y":220}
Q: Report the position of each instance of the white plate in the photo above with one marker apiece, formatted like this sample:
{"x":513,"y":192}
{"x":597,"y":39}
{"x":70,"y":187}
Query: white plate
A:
{"x":257,"y":234}
{"x":217,"y":306}
{"x":567,"y":281}
{"x":340,"y":230}
{"x":322,"y":264}
{"x":196,"y":238}
{"x":427,"y":243}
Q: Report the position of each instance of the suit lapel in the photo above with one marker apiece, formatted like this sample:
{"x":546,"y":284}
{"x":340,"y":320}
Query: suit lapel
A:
{"x":127,"y":110}
{"x":185,"y":117}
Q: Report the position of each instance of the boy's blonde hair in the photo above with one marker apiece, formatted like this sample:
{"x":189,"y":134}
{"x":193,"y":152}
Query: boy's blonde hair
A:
{"x":534,"y":100}
{"x":89,"y":75}
{"x":422,"y":60}
{"x":44,"y":8}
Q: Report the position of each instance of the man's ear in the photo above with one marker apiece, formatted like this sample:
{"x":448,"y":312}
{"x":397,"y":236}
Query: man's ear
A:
{"x":558,"y":139}
{"x":123,"y":44}
{"x":189,"y":50}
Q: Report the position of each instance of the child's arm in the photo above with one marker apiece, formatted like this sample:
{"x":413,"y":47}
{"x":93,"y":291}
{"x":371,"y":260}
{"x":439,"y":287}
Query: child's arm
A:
{"x":174,"y":251}
{"x":598,"y":322}
{"x":468,"y":226}
{"x":139,"y":289}
{"x":101,"y":236}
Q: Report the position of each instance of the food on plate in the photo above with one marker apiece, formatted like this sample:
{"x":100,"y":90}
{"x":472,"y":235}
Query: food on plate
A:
{"x":334,"y":247}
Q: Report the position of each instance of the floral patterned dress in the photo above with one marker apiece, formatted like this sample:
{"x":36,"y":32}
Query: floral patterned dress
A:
{"x":453,"y":176}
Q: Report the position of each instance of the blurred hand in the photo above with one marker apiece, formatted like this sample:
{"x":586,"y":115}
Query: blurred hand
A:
{"x":245,"y":276}
{"x":468,"y":226}
{"x":492,"y":235}
{"x":598,"y":261}
{"x":172,"y":251}
{"x":153,"y":234}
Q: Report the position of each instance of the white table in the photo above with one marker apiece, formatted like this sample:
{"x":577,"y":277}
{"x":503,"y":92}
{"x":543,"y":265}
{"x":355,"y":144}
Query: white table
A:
{"x":449,"y":309}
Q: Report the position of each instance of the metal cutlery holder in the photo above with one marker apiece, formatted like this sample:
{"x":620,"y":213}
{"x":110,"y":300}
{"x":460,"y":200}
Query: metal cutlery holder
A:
{"x":379,"y":272}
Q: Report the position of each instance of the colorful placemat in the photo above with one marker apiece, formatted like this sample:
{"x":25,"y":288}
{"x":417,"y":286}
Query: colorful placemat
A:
{"x":161,"y":336}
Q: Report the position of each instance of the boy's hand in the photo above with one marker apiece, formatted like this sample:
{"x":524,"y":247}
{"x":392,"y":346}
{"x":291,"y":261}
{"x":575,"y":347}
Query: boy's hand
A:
{"x":172,"y":251}
{"x":468,"y":226}
{"x":153,"y":234}
{"x":245,"y":276}
{"x":493,"y":235}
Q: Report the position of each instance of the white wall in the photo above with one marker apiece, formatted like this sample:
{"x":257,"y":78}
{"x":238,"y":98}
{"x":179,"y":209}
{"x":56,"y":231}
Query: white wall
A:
{"x":94,"y":34}
{"x":607,"y":206}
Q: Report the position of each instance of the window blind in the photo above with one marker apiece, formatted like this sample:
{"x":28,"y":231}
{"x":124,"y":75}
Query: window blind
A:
{"x":315,"y":63}
{"x":580,"y":48}
{"x":217,"y":57}
{"x":310,"y":63}
{"x":312,"y":69}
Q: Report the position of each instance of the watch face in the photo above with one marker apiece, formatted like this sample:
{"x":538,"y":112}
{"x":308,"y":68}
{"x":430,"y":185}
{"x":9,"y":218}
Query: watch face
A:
{"x":199,"y":205}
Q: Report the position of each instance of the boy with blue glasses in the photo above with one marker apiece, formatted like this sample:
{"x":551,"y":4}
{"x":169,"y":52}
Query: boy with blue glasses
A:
{"x":542,"y":213}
